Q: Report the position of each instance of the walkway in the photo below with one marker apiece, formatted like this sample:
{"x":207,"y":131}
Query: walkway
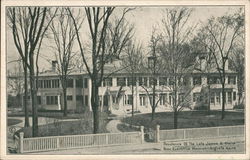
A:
{"x":112,"y":126}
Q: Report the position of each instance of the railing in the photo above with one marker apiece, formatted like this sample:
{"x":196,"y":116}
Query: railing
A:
{"x":193,"y":133}
{"x":78,"y":141}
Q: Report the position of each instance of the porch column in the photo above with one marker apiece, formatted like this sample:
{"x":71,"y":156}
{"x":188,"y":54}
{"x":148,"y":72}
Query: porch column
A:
{"x":89,"y":94}
{"x":110,"y":102}
{"x":59,"y":102}
{"x":136,"y":96}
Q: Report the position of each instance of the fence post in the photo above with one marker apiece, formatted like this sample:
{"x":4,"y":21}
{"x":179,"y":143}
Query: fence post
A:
{"x":57,"y":142}
{"x":157,"y":138}
{"x":142,"y":134}
{"x":218,"y":132}
{"x":107,"y":139}
{"x":21,"y":134}
{"x":184,"y":134}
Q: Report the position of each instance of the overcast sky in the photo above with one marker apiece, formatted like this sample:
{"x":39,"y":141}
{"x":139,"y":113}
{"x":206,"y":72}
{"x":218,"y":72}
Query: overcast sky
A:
{"x":143,"y":19}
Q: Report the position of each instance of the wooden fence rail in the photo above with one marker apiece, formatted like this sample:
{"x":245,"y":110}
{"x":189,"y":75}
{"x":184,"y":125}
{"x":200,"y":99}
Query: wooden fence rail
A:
{"x":78,"y":141}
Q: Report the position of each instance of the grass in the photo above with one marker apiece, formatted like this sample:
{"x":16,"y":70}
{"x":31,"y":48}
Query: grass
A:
{"x":52,"y":114}
{"x":124,"y":128}
{"x":187,"y":119}
{"x":74,"y":127}
{"x":11,"y":122}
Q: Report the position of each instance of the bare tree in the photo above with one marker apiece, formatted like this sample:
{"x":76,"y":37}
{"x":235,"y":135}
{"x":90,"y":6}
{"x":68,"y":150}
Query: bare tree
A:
{"x":106,"y":43}
{"x":222,"y":32}
{"x":205,"y":62}
{"x":154,"y":69}
{"x":176,"y":55}
{"x":132,"y":62}
{"x":237,"y":63}
{"x":64,"y":35}
{"x":28,"y":26}
{"x":16,"y":83}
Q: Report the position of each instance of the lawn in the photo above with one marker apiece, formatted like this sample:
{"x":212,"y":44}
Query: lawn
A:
{"x":49,"y":114}
{"x":11,"y":122}
{"x":83,"y":125}
{"x":187,"y":119}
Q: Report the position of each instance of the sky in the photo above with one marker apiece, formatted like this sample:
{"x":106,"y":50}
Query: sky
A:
{"x":143,"y":18}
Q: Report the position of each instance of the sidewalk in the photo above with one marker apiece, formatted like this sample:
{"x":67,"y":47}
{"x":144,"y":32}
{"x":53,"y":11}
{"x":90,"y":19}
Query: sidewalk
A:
{"x":112,"y":126}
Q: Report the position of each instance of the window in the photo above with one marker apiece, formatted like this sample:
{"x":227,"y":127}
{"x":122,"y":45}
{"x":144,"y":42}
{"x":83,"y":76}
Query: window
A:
{"x":152,"y":81}
{"x":171,"y":81}
{"x":39,"y":101}
{"x":121,"y":81}
{"x":70,"y":83}
{"x":170,"y":98}
{"x":163,"y":81}
{"x":131,"y":81}
{"x":129,"y":99}
{"x":107,"y":82}
{"x":231,"y":80}
{"x":185,"y":81}
{"x":69,"y":98}
{"x":212,"y":100}
{"x":47,"y":84}
{"x":181,"y":97}
{"x":79,"y":83}
{"x":197,"y":80}
{"x":55,"y":83}
{"x":196,"y":97}
{"x":234,"y":96}
{"x":162,"y":99}
{"x":40,"y":84}
{"x":85,"y":83}
{"x":143,"y":81}
{"x":51,"y":100}
{"x":79,"y":98}
{"x":229,"y":97}
{"x":213,"y":80}
{"x":113,"y":99}
{"x":142,"y":100}
{"x":218,"y":97}
{"x":86,"y":100}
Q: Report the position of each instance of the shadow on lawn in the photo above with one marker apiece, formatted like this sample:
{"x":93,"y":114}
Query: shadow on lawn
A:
{"x":187,"y":119}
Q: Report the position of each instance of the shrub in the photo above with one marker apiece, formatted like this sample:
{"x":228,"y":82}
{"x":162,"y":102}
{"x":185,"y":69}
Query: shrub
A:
{"x":239,"y":106}
{"x":201,"y":107}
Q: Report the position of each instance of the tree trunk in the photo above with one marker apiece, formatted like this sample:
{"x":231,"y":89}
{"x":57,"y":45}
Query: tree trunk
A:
{"x":175,"y":119}
{"x":65,"y":108}
{"x":34,"y":104}
{"x":223,"y":101}
{"x":26,"y":111}
{"x":95,"y":106}
{"x":153,"y":114}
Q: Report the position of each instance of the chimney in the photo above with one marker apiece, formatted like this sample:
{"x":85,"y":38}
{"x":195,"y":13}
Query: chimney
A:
{"x":226,"y":65}
{"x":202,"y":62}
{"x":151,"y":61}
{"x":54,"y":63}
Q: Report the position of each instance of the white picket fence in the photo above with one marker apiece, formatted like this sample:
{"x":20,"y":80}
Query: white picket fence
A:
{"x":194,"y":133}
{"x":78,"y":141}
